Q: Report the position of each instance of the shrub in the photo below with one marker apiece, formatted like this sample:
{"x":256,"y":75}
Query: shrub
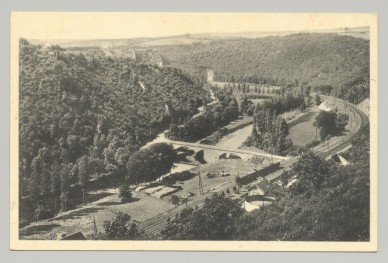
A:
{"x":125,"y":194}
{"x":42,"y":212}
{"x":175,"y":200}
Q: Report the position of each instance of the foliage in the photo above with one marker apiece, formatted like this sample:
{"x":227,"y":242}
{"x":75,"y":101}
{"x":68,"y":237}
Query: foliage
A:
{"x":310,"y":171}
{"x":270,"y":130}
{"x":125,"y":194}
{"x":216,"y":220}
{"x":42,"y":212}
{"x":312,"y":144}
{"x":310,"y":59}
{"x":328,"y":203}
{"x":175,"y":200}
{"x":330,"y":123}
{"x":211,"y":120}
{"x":120,"y":228}
{"x":84,"y":113}
{"x":150,"y":163}
{"x":317,"y":99}
{"x":355,"y":90}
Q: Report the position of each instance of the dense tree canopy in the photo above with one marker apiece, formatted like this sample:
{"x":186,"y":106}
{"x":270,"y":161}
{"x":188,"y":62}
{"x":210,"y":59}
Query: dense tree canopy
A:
{"x":150,"y":163}
{"x":330,"y":123}
{"x":213,"y":118}
{"x":216,"y":220}
{"x":341,"y":62}
{"x":328,"y":202}
{"x":84,"y":113}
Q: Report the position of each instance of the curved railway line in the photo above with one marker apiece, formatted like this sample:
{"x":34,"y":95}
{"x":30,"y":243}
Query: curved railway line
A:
{"x":324,"y":150}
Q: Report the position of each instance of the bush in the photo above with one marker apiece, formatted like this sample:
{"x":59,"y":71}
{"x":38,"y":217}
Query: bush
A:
{"x":43,"y":212}
{"x":125,"y":194}
{"x":175,"y":200}
{"x":23,"y":223}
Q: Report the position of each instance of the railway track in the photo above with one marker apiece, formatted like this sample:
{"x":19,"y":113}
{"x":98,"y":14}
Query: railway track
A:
{"x":324,"y":150}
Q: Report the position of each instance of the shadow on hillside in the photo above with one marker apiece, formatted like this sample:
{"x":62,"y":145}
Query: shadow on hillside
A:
{"x":77,"y":214}
{"x":94,"y":197}
{"x":133,"y":199}
{"x":37,"y":229}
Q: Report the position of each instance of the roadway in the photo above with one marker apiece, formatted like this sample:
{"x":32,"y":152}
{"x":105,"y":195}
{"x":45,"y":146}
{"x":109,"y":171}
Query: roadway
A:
{"x":229,"y":150}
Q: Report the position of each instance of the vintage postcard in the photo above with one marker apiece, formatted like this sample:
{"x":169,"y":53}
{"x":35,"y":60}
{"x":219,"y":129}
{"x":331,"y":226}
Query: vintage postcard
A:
{"x":193,"y":131}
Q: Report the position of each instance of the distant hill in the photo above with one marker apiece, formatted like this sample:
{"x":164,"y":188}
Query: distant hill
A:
{"x":335,"y":59}
{"x":188,"y":39}
{"x":314,"y":59}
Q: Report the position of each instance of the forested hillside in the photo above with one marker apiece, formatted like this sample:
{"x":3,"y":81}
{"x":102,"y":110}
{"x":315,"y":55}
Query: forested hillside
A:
{"x":82,"y":112}
{"x":341,"y":62}
{"x":329,"y":202}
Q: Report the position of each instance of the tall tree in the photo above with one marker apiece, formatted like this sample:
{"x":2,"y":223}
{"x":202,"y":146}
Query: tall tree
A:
{"x":311,"y":172}
{"x":83,"y":174}
{"x":65,"y":174}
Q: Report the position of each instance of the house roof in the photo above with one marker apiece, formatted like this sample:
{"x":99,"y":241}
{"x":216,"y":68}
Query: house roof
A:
{"x":75,"y":236}
{"x":265,"y":185}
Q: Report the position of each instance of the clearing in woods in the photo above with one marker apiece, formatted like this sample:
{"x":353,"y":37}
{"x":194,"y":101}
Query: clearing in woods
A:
{"x":302,"y":130}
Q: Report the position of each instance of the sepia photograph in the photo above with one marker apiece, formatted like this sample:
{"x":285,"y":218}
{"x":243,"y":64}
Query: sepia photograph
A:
{"x":194,"y":131}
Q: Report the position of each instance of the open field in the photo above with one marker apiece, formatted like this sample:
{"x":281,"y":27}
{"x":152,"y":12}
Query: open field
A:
{"x":302,"y":130}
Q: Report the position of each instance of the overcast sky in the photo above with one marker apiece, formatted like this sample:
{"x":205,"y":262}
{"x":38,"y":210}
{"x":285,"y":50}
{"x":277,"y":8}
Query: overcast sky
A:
{"x":132,"y":25}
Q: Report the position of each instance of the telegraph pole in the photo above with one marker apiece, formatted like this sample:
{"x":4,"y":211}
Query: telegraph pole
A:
{"x":95,"y":226}
{"x":200,"y":182}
